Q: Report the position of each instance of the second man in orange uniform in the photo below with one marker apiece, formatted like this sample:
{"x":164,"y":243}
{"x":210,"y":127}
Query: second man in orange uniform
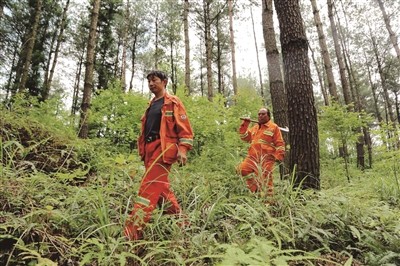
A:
{"x":266,"y":147}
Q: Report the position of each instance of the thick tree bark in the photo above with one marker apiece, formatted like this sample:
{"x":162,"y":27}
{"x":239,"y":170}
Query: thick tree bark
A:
{"x":276,"y":86}
{"x":277,"y":89}
{"x":188,"y":90}
{"x":232,"y":44}
{"x":324,"y":52}
{"x":88,"y":85}
{"x":304,"y":153}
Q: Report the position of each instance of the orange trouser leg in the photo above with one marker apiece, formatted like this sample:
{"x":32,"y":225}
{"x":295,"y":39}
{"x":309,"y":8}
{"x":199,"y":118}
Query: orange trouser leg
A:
{"x":154,"y":186}
{"x":260,"y":181}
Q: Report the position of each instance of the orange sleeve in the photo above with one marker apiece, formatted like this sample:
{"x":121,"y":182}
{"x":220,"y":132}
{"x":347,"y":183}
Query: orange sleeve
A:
{"x":279,"y":144}
{"x":245,"y":133}
{"x":183,"y":127}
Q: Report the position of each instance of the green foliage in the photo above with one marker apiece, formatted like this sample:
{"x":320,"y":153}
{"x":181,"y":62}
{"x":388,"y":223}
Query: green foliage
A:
{"x":116,"y":115}
{"x":75,"y":215}
{"x":337,"y":125}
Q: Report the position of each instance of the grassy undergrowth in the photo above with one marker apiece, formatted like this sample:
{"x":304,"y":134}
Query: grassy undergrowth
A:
{"x":73,"y":214}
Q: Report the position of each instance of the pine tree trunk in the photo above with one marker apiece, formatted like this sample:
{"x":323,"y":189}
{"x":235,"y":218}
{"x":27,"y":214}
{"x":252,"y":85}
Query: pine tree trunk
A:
{"x":277,"y":89}
{"x":324,"y":52}
{"x":232,"y":44}
{"x":29,"y":47}
{"x":383,"y":81}
{"x":133,"y":61}
{"x":88,"y":85}
{"x":77,"y":82}
{"x":124,"y":47}
{"x":392,"y":34}
{"x":257,"y":57}
{"x":187,"y":47}
{"x":276,"y":86}
{"x":63,"y":25}
{"x":320,"y":79}
{"x":208,"y":45}
{"x":304,"y":153}
{"x":339,"y":56}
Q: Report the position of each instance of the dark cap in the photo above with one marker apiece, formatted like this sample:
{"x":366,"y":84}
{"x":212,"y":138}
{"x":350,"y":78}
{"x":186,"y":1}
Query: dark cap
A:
{"x":157,"y":73}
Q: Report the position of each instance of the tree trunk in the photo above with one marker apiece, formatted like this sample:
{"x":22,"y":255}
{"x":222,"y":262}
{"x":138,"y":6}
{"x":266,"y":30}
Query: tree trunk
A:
{"x":383,"y":81}
{"x":219,"y":55}
{"x":187,"y":47}
{"x":133,"y":61}
{"x":392,"y":34}
{"x":63,"y":25}
{"x":156,"y":55}
{"x":9,"y":92}
{"x":172,"y":62}
{"x":276,"y":86}
{"x":124,"y":47}
{"x":304,"y":153}
{"x":257,"y":57}
{"x":232,"y":44}
{"x":339,"y":56}
{"x":29,"y":47}
{"x":324,"y":52}
{"x":88,"y":85}
{"x":320,"y":79}
{"x":277,"y":89}
{"x":208,"y":45}
{"x":75,"y":95}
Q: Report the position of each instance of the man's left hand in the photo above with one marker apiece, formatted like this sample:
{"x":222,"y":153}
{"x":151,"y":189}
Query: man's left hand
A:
{"x":182,"y":158}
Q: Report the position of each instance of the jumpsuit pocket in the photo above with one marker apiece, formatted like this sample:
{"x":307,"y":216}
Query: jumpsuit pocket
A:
{"x":170,"y":153}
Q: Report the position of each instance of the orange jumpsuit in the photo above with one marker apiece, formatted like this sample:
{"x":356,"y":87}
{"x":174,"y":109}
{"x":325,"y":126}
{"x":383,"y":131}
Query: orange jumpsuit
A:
{"x":158,"y":156}
{"x":266,"y":147}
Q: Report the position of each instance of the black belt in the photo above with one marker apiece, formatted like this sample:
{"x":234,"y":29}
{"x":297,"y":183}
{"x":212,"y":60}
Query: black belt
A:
{"x":151,"y":138}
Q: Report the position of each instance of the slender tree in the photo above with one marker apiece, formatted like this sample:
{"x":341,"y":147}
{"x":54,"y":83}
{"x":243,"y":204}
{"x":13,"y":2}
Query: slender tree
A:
{"x":339,"y":55}
{"x":304,"y":153}
{"x":208,"y":46}
{"x":124,"y":45}
{"x":392,"y":34}
{"x":29,"y":46}
{"x":324,"y":51}
{"x":188,"y":89}
{"x":232,"y":45}
{"x":257,"y":57}
{"x":88,"y":84}
{"x":49,"y":78}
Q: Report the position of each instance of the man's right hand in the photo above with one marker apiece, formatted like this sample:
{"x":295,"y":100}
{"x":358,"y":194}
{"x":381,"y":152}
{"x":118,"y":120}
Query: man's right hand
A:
{"x":246,"y":121}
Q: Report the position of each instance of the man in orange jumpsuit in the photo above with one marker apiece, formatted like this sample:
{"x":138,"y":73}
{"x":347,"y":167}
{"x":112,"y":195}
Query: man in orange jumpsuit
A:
{"x":266,"y":147}
{"x":165,"y":138}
